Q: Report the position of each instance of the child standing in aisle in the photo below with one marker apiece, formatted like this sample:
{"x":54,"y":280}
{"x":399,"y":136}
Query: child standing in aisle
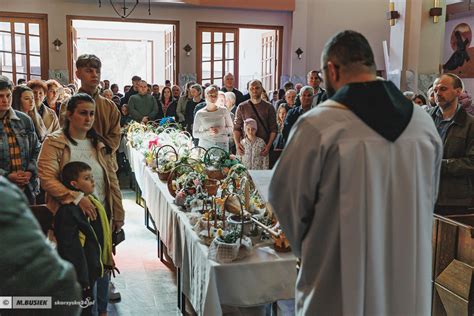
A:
{"x":253,"y":146}
{"x":86,"y":243}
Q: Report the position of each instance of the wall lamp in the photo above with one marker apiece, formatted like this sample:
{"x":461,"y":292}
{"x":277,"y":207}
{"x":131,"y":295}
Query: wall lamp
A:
{"x":436,"y":11}
{"x":392,"y":15}
{"x":299,"y":53}
{"x":187,"y":49}
{"x":57,"y":43}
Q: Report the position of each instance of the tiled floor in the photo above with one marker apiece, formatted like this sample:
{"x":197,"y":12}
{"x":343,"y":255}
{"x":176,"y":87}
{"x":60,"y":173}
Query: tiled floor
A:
{"x":146,"y":285}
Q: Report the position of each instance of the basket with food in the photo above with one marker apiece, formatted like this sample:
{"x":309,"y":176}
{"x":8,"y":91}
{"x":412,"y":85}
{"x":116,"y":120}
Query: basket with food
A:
{"x":166,"y":158}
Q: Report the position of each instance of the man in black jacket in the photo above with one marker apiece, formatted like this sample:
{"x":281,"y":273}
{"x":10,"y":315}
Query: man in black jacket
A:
{"x":456,"y":128}
{"x":229,"y":87}
{"x":307,"y":93}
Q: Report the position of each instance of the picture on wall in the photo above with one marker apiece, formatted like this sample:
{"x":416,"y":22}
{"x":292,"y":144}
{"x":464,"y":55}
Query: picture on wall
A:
{"x":461,"y":61}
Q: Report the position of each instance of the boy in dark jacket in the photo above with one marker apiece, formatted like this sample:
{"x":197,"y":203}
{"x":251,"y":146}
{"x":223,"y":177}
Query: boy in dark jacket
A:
{"x":83,"y":242}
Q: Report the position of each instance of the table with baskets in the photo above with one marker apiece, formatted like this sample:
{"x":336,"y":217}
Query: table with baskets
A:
{"x":260,"y":277}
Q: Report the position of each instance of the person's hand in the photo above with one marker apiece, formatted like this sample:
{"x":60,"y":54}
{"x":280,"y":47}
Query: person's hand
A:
{"x":88,"y":208}
{"x":25,"y":177}
{"x":214,"y":130}
{"x":145,"y":119}
{"x":19,"y":178}
{"x":117,"y":225}
{"x":240,"y":149}
{"x":265,"y":151}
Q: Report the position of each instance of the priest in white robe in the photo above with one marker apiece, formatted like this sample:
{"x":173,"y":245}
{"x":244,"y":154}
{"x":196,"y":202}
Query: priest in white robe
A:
{"x":354,"y":191}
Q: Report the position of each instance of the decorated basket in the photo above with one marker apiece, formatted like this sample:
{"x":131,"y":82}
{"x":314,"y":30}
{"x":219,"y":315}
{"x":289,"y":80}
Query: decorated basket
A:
{"x":164,"y":156}
{"x":177,"y":171}
{"x":224,"y":250}
{"x":213,"y":159}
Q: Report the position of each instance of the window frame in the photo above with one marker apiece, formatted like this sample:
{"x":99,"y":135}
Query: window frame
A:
{"x":27,"y":18}
{"x":278,"y":50}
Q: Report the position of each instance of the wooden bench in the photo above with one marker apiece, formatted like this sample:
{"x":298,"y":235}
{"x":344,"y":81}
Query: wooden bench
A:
{"x":453,"y":265}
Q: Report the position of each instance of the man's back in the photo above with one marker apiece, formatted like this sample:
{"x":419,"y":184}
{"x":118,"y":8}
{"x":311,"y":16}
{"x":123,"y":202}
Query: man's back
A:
{"x":359,"y":212}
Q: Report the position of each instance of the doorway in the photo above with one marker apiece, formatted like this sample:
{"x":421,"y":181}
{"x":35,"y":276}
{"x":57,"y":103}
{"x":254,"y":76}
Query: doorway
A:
{"x":126,"y":48}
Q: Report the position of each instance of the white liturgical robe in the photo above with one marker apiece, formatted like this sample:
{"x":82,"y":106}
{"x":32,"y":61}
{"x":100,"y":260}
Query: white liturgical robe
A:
{"x":357,"y":209}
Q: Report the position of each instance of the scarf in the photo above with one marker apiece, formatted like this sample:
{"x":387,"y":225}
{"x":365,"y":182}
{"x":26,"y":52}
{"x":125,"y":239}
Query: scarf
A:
{"x":13,"y":147}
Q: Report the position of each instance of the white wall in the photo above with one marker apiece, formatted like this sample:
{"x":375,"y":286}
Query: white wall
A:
{"x":315,"y":21}
{"x":188,"y":16}
{"x":309,"y":27}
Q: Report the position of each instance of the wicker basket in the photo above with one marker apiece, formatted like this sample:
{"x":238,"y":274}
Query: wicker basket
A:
{"x":213,"y":161}
{"x":227,"y":252}
{"x":211,"y":186}
{"x":177,"y":171}
{"x":163,"y":175}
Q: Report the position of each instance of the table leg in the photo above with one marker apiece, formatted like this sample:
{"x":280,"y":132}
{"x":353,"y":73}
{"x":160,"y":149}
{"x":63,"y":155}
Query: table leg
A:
{"x":178,"y":274}
{"x":132,"y":181}
{"x":158,"y":245}
{"x":148,"y":220}
{"x":161,"y":251}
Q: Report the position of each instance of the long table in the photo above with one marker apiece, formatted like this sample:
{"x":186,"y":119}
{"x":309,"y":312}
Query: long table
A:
{"x":264,"y":276}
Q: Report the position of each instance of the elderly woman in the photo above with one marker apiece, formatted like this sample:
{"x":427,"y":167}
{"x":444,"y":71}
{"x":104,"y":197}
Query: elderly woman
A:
{"x":230,"y":99}
{"x":19,"y":145}
{"x":23,"y":101}
{"x":48,"y":115}
{"x":78,"y":141}
{"x":212,"y":124}
{"x":221,"y":99}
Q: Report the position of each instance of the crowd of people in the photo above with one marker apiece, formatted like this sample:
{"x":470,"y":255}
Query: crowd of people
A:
{"x":60,"y":145}
{"x":215,"y":116}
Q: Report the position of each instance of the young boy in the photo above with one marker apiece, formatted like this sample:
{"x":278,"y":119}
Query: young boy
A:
{"x":86,"y":244}
{"x":253,"y":146}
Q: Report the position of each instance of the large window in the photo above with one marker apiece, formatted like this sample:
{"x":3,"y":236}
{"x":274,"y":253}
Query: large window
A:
{"x":23,"y":48}
{"x":247,"y":51}
{"x":217,"y":53}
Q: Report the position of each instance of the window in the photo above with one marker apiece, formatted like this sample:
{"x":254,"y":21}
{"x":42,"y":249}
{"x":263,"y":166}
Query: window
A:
{"x":23,"y":51}
{"x":256,"y":56}
{"x":170,"y":54}
{"x":217,"y":54}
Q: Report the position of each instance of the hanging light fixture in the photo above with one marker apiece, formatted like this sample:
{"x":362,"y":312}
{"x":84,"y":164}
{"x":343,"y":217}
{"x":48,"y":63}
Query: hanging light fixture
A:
{"x":126,"y":10}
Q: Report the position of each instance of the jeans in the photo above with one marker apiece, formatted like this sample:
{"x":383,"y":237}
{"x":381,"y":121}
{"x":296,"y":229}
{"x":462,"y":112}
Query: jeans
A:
{"x":101,"y":294}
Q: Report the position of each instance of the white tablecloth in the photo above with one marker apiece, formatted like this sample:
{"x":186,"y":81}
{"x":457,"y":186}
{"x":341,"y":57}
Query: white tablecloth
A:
{"x":263,"y":277}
